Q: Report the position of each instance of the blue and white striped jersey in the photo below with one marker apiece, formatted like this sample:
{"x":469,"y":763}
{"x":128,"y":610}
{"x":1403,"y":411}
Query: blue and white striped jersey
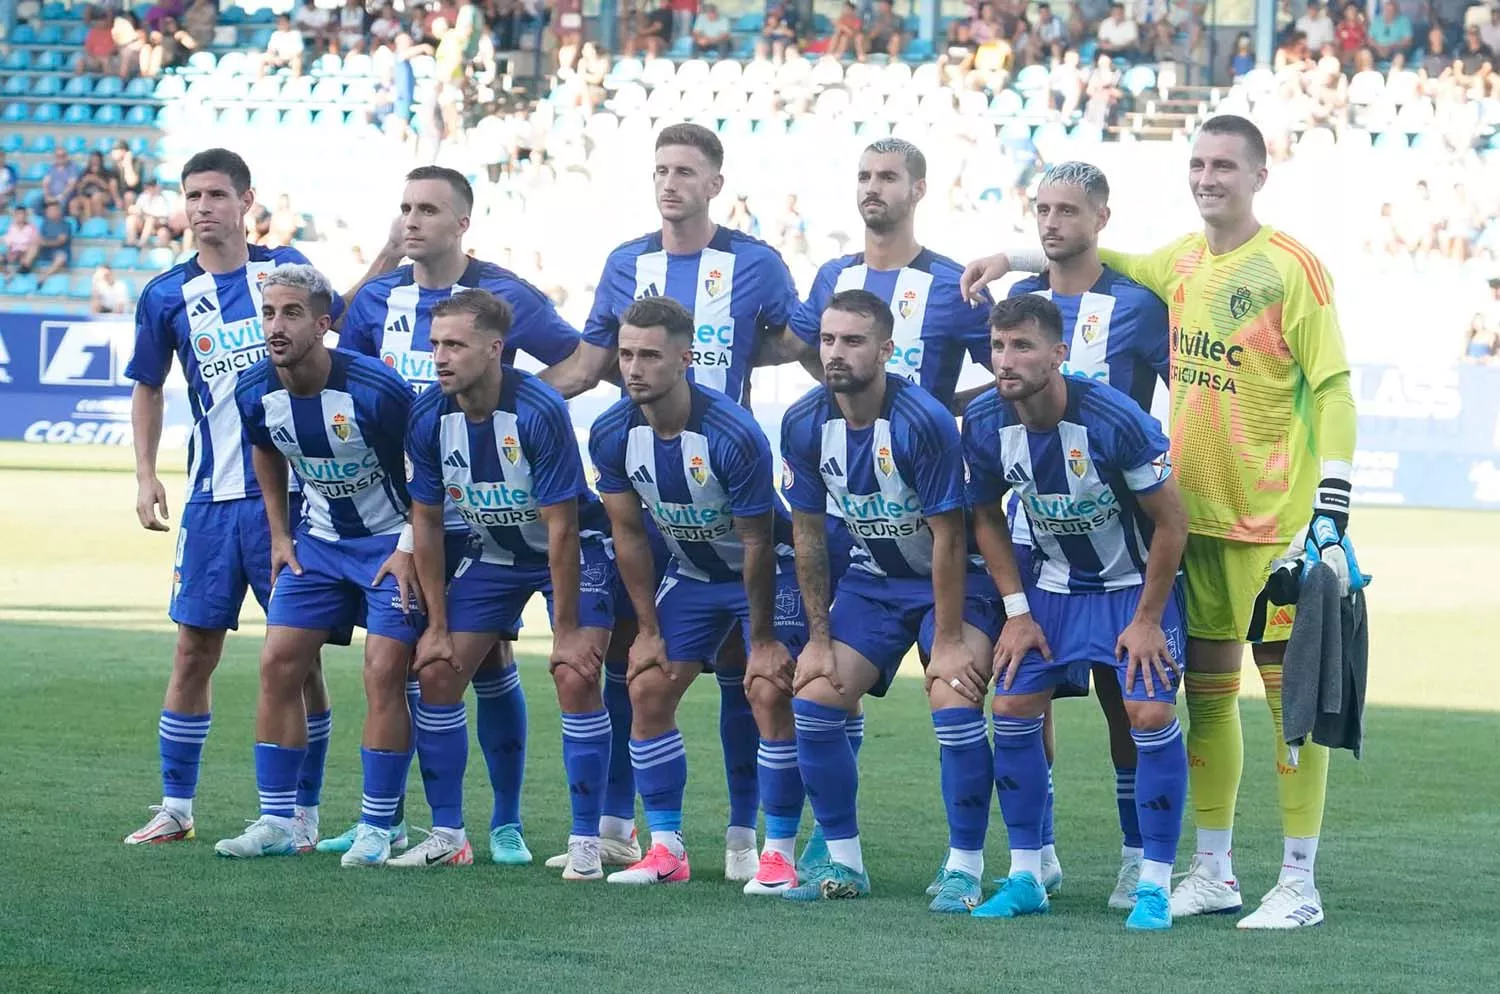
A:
{"x":1077,"y":483}
{"x":391,"y":316}
{"x":1116,"y":331}
{"x":695,"y":485}
{"x":345,"y":443}
{"x":212,"y":322}
{"x":885,"y":480}
{"x":736,"y":289}
{"x":500,"y":473}
{"x":935,"y":326}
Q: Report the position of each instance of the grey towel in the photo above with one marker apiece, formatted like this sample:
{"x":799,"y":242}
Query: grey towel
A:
{"x":1327,"y":661}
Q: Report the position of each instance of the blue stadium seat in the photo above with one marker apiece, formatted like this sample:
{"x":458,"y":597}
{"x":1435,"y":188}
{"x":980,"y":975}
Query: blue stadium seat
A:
{"x":23,"y":285}
{"x":77,"y":114}
{"x":54,"y":10}
{"x":234,"y":15}
{"x":117,"y":227}
{"x":4,"y":223}
{"x":17,"y":85}
{"x":55,"y":286}
{"x":49,"y":86}
{"x":157,"y":259}
{"x":49,"y":61}
{"x":141,"y":88}
{"x":328,"y":119}
{"x":94,"y":227}
{"x":41,"y":145}
{"x":76,"y":145}
{"x":259,"y":40}
{"x":297,"y":117}
{"x":327,"y":64}
{"x":35,"y":172}
{"x":89,"y":258}
{"x":358,"y":65}
{"x":82,"y":287}
{"x":103,"y":144}
{"x":328,"y":91}
{"x":172,"y":87}
{"x":24,"y":34}
{"x":141,"y":147}
{"x":749,"y":24}
{"x":78,"y":86}
{"x":917,"y":50}
{"x":200,"y":62}
{"x":32,"y":200}
{"x":682,"y":48}
{"x":74,"y":34}
{"x":47,"y":114}
{"x":264,"y":15}
{"x":15,"y":113}
{"x":1088,"y":52}
{"x":51,"y":34}
{"x":110,"y":86}
{"x":139,"y":115}
{"x":19,"y":60}
{"x":124,"y":258}
{"x":12,"y":143}
{"x":1138,"y":79}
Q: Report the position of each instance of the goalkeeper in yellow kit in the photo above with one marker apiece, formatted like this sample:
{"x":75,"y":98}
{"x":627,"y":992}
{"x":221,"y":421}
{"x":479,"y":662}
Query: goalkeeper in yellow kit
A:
{"x":1262,"y":434}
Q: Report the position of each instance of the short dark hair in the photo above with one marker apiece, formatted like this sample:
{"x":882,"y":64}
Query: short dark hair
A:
{"x":461,"y":188}
{"x":693,"y":136}
{"x":866,"y":305}
{"x":219,"y":160}
{"x":1012,"y":312}
{"x":1233,"y":124}
{"x":489,"y":312}
{"x":916,"y":162}
{"x":660,"y":312}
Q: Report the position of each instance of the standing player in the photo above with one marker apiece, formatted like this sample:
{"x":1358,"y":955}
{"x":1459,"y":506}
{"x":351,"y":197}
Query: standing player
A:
{"x":339,"y":419}
{"x":887,"y":454}
{"x":207,"y":311}
{"x":391,"y":318}
{"x":1116,"y":332}
{"x":935,"y":326}
{"x":1263,"y":429}
{"x":700,"y":465}
{"x":1090,"y":468}
{"x":738,"y":290}
{"x":497,"y":443}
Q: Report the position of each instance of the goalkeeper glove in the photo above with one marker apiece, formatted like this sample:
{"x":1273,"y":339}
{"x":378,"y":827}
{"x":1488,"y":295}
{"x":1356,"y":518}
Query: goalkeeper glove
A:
{"x":1327,"y":541}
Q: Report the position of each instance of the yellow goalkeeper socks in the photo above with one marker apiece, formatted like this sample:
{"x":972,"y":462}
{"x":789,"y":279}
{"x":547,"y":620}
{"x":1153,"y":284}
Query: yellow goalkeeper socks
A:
{"x":1302,"y":789}
{"x":1216,"y":747}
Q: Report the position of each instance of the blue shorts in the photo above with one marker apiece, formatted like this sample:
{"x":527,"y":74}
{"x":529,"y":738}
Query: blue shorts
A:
{"x":223,"y":549}
{"x":660,"y":558}
{"x":881,"y":618}
{"x":1082,"y":629}
{"x":1077,"y":684}
{"x":696,"y":617}
{"x":334,"y":590}
{"x":489,"y":597}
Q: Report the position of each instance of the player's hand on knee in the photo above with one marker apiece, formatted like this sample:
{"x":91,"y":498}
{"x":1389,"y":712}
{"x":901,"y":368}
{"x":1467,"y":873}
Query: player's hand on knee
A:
{"x":434,"y":647}
{"x":953,"y":664}
{"x":770,"y":661}
{"x":1144,"y":647}
{"x":578,"y":652}
{"x":1020,"y":635}
{"x":151,"y":505}
{"x":403,"y":567}
{"x":647,"y":652}
{"x":284,"y":556}
{"x":814,"y":662}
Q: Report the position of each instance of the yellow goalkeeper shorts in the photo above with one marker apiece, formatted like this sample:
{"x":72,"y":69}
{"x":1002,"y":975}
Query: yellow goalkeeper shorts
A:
{"x":1223,"y":580}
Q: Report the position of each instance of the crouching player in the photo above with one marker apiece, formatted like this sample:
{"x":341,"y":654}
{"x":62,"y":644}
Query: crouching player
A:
{"x":498,"y":442}
{"x":699,"y":464}
{"x":339,"y":419}
{"x":1092,"y":474}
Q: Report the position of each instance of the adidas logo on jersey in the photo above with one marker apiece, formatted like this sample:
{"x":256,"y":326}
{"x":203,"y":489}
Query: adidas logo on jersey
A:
{"x":400,"y":326}
{"x":642,"y":476}
{"x":1017,"y":474}
{"x":650,"y":291}
{"x":456,"y":460}
{"x":283,"y":437}
{"x":831,"y":467}
{"x":204,"y":306}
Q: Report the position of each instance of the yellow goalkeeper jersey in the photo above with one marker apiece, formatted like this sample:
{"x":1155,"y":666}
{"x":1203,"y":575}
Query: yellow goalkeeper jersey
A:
{"x":1254,"y":333}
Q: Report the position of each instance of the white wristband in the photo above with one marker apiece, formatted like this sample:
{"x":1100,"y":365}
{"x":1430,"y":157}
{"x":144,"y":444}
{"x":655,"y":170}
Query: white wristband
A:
{"x":1015,"y":604}
{"x":1028,"y":259}
{"x":407,"y":542}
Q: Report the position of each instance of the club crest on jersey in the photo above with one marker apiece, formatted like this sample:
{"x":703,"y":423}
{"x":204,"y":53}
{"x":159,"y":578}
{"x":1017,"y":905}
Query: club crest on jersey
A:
{"x":1078,"y":463}
{"x":511,"y":449}
{"x":341,"y":427}
{"x":883,"y":460}
{"x":907,"y":305}
{"x":1239,"y":303}
{"x":714,"y":285}
{"x":697,"y":470}
{"x":787,"y":476}
{"x":1090,"y":329}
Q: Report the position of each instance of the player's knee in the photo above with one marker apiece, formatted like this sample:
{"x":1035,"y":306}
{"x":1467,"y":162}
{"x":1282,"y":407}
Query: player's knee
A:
{"x":767,"y":698}
{"x":821,"y":691}
{"x":1149,"y":716}
{"x":441,"y":685}
{"x":385,"y":672}
{"x":575,"y":693}
{"x":653,"y":698}
{"x":197,"y":653}
{"x":282,"y":668}
{"x":1021,"y":706}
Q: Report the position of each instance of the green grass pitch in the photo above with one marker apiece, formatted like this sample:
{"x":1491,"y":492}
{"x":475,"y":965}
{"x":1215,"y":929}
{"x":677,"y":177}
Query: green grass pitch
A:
{"x":1408,"y":861}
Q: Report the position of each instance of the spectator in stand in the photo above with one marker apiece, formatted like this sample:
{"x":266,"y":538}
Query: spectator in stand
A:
{"x":957,"y":57}
{"x":740,"y":219}
{"x":1489,"y":29}
{"x":129,"y":40}
{"x":1436,"y":60}
{"x":285,"y":223}
{"x":469,"y":27}
{"x":1351,"y":35}
{"x":150,"y":217}
{"x":1291,"y":55}
{"x":652,"y":32}
{"x":108,"y":295}
{"x":1048,"y":31}
{"x":385,"y":27}
{"x":166,"y":49}
{"x":1316,"y":26}
{"x":352,"y":24}
{"x":200,"y":20}
{"x":98,"y":191}
{"x":847,"y":32}
{"x":1103,"y":92}
{"x":711,"y":32}
{"x":22,"y":242}
{"x":993,"y":60}
{"x":1482,"y":344}
{"x":99,"y":46}
{"x":883,"y":33}
{"x":1391,"y":32}
{"x":315,"y":24}
{"x":1242,"y":59}
{"x":60,"y":181}
{"x":1065,"y":83}
{"x":1118,"y":34}
{"x":1160,"y":45}
{"x":780,"y":30}
{"x":127,"y":172}
{"x":56,"y":245}
{"x":9,"y":178}
{"x":285,"y":48}
{"x":1476,"y":67}
{"x":683,"y":14}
